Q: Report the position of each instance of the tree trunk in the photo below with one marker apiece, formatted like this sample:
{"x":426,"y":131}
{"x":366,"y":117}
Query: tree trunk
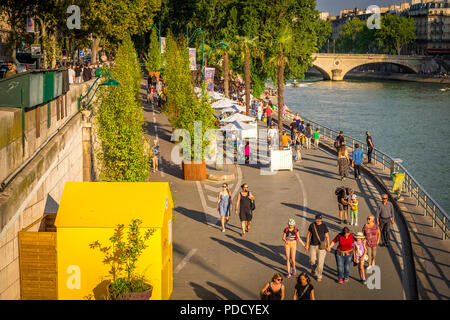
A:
{"x":52,"y":38}
{"x":225,"y":75}
{"x":247,"y":83}
{"x":95,"y":46}
{"x":280,"y":85}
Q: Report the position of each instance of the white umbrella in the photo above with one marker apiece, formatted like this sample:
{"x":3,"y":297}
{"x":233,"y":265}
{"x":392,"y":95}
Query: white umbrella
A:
{"x":239,"y":117}
{"x":222,"y":103}
{"x":233,"y":109}
{"x":237,"y":126}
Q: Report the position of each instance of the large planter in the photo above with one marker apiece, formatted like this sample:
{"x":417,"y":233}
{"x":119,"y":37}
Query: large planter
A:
{"x":144,"y":295}
{"x":194,"y":170}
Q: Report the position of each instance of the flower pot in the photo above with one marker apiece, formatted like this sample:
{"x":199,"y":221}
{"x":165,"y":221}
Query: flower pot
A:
{"x":144,"y":295}
{"x":194,"y":170}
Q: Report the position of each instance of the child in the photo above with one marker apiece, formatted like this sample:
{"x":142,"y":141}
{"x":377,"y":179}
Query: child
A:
{"x":359,"y":254}
{"x":354,"y":210}
{"x":290,"y":238}
{"x":316,"y":135}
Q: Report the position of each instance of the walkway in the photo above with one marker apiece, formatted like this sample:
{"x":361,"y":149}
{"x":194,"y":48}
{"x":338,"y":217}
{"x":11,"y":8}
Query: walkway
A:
{"x":209,"y":264}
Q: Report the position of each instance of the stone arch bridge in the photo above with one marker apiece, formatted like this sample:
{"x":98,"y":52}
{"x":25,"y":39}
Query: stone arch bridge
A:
{"x":335,"y":66}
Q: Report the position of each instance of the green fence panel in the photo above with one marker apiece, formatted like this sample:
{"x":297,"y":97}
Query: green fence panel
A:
{"x":10,"y":95}
{"x":36,"y":92}
{"x":49,"y":85}
{"x":57,"y":89}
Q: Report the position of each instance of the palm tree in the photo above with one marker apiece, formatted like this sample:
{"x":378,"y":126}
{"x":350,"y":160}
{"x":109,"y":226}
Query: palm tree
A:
{"x":244,"y":45}
{"x":283,"y":44}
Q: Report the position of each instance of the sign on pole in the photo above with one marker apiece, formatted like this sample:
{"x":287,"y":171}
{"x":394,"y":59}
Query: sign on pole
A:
{"x":30,"y":25}
{"x":209,"y":77}
{"x":163,"y":44}
{"x":35,"y":50}
{"x":192,"y":58}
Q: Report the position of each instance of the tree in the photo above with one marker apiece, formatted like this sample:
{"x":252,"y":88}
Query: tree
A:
{"x":245,"y":45}
{"x":348,"y":41}
{"x":152,"y":59}
{"x":120,"y":120}
{"x":395,"y":33}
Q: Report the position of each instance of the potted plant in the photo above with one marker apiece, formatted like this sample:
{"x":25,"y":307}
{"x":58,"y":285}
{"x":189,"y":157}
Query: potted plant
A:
{"x":122,"y":257}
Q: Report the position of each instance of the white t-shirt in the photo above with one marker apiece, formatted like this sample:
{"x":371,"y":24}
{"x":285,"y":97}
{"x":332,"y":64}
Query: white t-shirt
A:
{"x":71,"y":75}
{"x":272,"y":133}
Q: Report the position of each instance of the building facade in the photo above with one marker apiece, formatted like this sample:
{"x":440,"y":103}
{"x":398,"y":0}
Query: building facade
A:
{"x":431,"y":18}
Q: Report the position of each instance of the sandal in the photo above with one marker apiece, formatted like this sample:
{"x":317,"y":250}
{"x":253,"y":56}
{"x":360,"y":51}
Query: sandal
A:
{"x":243,"y":234}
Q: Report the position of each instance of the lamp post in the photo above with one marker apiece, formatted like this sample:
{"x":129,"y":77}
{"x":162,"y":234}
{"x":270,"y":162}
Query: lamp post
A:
{"x":109,"y":82}
{"x":158,"y":30}
{"x":218,"y":43}
{"x":188,"y":41}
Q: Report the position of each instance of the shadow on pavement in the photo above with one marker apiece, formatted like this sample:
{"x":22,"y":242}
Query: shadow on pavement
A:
{"x":193,"y":214}
{"x":204,"y":293}
{"x":229,"y":295}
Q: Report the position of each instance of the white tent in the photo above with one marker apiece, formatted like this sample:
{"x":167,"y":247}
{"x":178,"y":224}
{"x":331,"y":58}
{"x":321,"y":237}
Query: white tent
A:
{"x":239,"y":117}
{"x":246,"y":130}
{"x":232,"y":109}
{"x":223,"y":103}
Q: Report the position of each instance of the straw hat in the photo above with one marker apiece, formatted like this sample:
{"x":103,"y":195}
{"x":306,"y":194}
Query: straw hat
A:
{"x":360,"y":235}
{"x":291,"y":222}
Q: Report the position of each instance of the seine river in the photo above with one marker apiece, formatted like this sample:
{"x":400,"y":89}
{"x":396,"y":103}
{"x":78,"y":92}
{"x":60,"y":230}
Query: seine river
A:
{"x":407,"y":120}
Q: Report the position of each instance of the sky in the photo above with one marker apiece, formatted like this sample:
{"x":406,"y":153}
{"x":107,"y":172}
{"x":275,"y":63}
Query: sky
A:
{"x":334,"y":6}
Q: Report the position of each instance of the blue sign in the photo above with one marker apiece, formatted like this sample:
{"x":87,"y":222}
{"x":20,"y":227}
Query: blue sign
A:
{"x":81,"y":53}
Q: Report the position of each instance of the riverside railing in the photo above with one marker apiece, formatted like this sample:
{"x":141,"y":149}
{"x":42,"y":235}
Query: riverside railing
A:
{"x":439,"y":217}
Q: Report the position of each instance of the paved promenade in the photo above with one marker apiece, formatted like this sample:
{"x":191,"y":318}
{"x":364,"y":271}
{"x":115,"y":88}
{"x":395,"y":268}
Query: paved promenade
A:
{"x":209,"y":264}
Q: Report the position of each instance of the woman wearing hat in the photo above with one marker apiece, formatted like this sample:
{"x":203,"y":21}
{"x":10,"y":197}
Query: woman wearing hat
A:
{"x":290,"y":238}
{"x":359,"y":254}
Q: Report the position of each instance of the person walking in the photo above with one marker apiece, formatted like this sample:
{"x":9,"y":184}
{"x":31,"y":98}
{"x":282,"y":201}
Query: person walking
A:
{"x":224,"y":205}
{"x":370,"y":147}
{"x":343,"y":254}
{"x":71,"y":73}
{"x":372,"y":233}
{"x":247,"y":152}
{"x":78,"y":73}
{"x":316,"y":136}
{"x":385,"y":217}
{"x":155,"y":154}
{"x":272,"y":135}
{"x":357,"y":157}
{"x":359,"y":254}
{"x":308,"y":135}
{"x":344,"y":195}
{"x":339,"y":141}
{"x":343,"y":161}
{"x":273,"y":290}
{"x":297,"y":119}
{"x":290,"y":238}
{"x":294,"y":128}
{"x":354,"y":210}
{"x":304,"y":290}
{"x":243,"y":203}
{"x":319,"y":238}
{"x":86,"y":73}
{"x":269,"y":114}
{"x":285,"y":141}
{"x":298,"y":145}
{"x":259,"y":111}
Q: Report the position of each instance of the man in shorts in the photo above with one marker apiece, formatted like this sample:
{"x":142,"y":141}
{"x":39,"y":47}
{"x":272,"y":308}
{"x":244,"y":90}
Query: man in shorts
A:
{"x":343,"y":198}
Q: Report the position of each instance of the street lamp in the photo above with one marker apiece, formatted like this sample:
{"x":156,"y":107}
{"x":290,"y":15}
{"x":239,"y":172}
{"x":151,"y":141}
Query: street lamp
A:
{"x":109,"y":82}
{"x":158,"y":30}
{"x":218,"y":43}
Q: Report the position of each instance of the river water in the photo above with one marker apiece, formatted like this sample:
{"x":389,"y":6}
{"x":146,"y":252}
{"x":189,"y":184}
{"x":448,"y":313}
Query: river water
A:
{"x":407,"y":120}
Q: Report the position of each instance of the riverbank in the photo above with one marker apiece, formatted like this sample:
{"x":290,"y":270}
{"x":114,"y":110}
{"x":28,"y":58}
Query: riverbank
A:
{"x":389,"y":76}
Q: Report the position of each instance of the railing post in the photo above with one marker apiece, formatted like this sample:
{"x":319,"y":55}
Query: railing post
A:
{"x":434,"y":215}
{"x":417,"y":195}
{"x":444,"y":233}
{"x":383,"y":162}
{"x":425,"y":204}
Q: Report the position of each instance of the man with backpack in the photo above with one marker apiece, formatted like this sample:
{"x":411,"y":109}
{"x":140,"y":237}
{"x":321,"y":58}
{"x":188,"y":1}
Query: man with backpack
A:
{"x":344,"y":195}
{"x":339,"y":141}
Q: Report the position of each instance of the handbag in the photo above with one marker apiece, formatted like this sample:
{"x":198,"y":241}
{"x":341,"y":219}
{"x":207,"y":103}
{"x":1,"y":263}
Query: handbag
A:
{"x":322,"y":244}
{"x":252,"y":203}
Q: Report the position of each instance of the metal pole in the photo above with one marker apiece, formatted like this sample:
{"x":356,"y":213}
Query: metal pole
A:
{"x":434,"y":215}
{"x":203,"y":56}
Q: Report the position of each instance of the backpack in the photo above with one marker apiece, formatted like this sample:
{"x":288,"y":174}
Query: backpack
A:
{"x":336,"y":143}
{"x":154,"y":79}
{"x":339,"y":189}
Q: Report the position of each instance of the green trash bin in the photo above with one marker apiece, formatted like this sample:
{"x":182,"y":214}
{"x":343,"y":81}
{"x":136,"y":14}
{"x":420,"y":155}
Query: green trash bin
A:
{"x":10,"y":91}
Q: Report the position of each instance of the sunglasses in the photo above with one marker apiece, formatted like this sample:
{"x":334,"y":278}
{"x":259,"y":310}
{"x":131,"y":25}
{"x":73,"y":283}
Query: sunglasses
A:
{"x":279,"y":279}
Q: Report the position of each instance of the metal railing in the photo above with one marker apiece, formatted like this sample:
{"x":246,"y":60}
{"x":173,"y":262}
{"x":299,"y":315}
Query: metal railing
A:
{"x":439,"y":217}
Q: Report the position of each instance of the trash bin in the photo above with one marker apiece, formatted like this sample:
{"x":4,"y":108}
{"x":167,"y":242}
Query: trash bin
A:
{"x":397,"y":182}
{"x":89,"y":212}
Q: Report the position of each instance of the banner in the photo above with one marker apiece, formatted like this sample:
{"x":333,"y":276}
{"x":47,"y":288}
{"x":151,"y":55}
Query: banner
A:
{"x":30,"y":25}
{"x":209,"y":78}
{"x":163,"y":44}
{"x":192,"y":58}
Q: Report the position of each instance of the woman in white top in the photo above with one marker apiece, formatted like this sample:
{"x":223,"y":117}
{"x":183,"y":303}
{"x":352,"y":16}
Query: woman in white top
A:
{"x":342,"y":162}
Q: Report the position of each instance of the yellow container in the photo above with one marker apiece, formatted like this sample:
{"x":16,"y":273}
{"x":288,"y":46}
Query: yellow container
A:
{"x":90,"y":211}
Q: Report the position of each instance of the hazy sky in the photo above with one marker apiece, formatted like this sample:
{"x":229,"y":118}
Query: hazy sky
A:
{"x":333,"y":6}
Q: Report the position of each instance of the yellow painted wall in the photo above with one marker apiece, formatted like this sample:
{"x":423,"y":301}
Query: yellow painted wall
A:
{"x":80,"y":268}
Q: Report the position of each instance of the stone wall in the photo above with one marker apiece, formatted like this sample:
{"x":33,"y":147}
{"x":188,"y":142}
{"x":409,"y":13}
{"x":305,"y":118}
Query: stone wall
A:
{"x":37,"y":188}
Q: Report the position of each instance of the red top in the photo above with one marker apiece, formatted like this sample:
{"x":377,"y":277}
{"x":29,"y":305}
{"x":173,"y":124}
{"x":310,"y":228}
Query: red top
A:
{"x":269,"y":111}
{"x":345,"y":244}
